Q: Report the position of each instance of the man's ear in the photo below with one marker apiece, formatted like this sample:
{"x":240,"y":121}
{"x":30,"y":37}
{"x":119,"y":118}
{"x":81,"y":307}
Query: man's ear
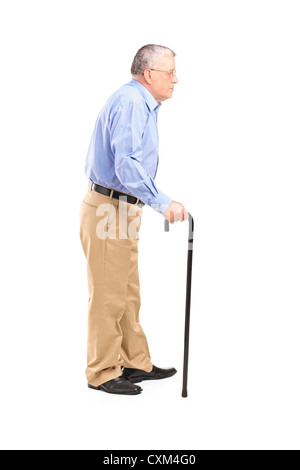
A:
{"x":147,"y":76}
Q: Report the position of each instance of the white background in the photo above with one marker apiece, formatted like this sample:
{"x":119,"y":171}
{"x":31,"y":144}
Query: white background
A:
{"x":229,"y":151}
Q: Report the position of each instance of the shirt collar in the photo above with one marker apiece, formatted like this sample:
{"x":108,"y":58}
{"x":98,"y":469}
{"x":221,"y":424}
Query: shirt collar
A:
{"x":150,"y":100}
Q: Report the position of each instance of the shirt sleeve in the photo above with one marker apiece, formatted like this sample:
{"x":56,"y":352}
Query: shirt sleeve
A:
{"x":127,"y":127}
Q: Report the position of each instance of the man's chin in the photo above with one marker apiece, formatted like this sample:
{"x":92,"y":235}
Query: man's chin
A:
{"x":170,"y":94}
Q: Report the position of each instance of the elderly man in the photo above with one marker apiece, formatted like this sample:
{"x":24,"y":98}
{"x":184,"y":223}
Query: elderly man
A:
{"x":121,"y":166}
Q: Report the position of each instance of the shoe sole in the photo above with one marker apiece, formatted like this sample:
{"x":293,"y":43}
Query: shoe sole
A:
{"x":133,"y":392}
{"x":135,"y":380}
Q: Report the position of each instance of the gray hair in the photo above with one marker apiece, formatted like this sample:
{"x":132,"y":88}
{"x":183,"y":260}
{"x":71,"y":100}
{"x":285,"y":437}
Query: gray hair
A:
{"x":147,"y":56}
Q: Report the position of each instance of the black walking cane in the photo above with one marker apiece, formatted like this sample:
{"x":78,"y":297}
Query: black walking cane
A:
{"x":187,"y":301}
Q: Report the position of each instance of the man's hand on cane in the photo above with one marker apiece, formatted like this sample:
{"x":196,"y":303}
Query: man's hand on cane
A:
{"x":176,"y":212}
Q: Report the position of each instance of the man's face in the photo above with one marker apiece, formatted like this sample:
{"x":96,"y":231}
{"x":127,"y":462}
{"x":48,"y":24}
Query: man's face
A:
{"x":162,"y":83}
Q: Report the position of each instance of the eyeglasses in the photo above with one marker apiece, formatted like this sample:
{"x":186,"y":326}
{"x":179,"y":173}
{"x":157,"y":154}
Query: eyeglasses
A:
{"x":171,"y":72}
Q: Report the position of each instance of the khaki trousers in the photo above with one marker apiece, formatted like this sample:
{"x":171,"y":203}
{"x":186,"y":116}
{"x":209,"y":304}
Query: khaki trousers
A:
{"x":109,"y":231}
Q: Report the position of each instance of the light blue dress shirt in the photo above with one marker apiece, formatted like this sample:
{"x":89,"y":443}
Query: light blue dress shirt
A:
{"x":123,"y":151}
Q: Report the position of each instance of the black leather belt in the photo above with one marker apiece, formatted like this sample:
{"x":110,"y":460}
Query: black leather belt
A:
{"x":115,"y":194}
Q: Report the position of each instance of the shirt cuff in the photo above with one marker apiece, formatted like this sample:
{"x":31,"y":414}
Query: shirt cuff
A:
{"x":160,"y":202}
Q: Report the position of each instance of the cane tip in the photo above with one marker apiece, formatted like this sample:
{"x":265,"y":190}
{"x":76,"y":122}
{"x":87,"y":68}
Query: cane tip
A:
{"x":184,"y":393}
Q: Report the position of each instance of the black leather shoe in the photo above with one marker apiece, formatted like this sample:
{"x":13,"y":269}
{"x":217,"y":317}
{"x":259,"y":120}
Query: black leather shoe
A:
{"x":119,"y":386}
{"x":137,"y":375}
